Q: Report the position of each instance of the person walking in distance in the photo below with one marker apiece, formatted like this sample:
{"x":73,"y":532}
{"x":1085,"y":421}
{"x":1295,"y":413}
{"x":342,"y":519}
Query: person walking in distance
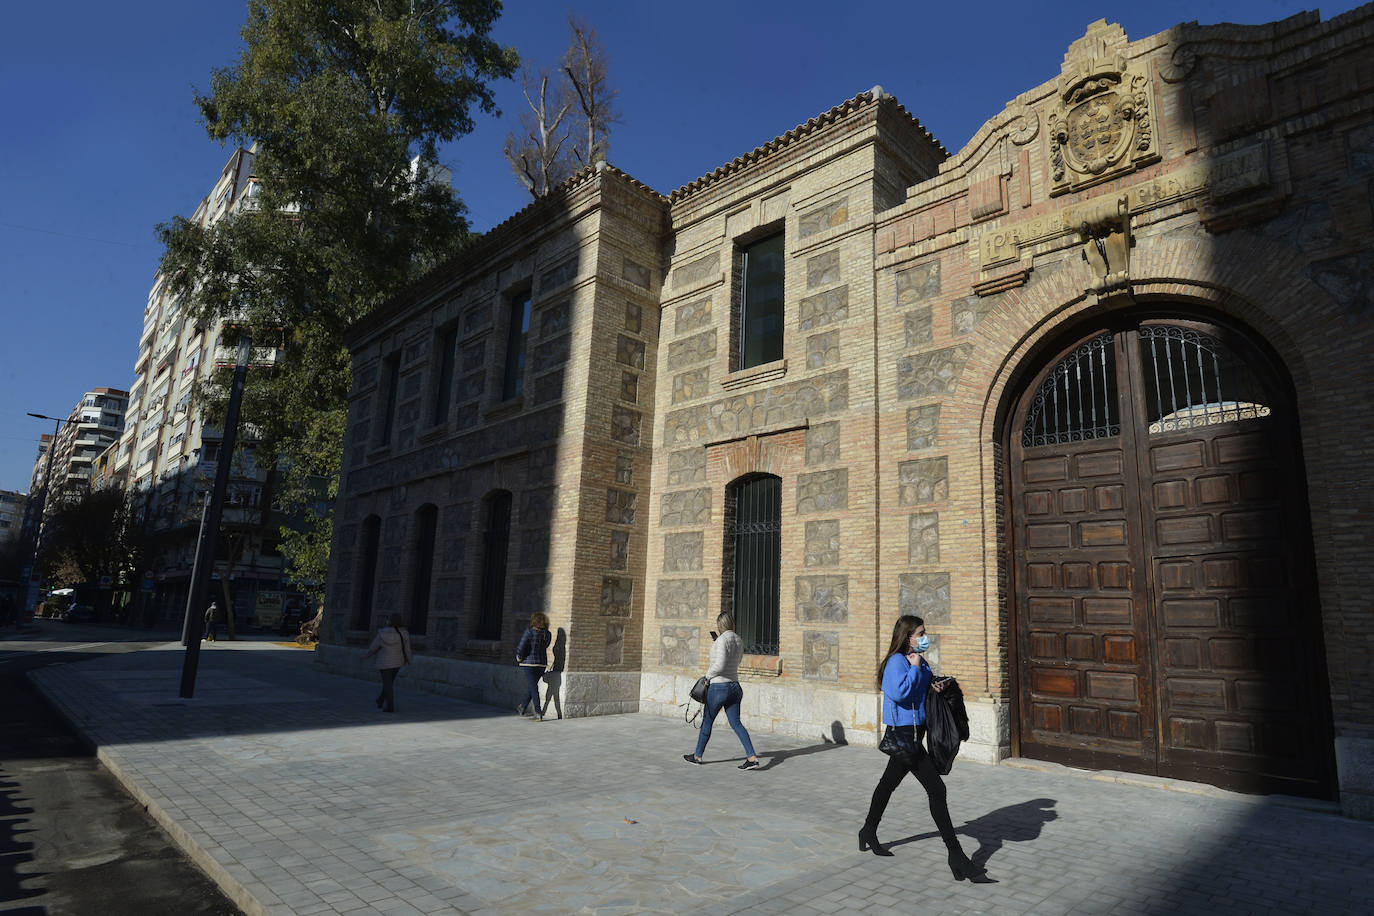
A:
{"x":211,"y":622}
{"x":905,"y":677}
{"x":392,"y":648}
{"x":724,"y":692}
{"x":532,"y":655}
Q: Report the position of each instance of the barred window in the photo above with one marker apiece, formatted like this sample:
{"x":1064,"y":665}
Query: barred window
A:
{"x":1078,"y":400}
{"x":753,"y":519}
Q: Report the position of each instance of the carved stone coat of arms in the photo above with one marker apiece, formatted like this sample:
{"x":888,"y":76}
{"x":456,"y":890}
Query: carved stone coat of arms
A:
{"x":1101,"y":125}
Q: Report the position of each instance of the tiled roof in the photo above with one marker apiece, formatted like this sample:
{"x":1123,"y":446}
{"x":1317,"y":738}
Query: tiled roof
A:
{"x":842,"y":110}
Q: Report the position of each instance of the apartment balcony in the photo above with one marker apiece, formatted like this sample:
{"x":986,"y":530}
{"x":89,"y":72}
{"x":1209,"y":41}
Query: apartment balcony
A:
{"x":227,"y":357}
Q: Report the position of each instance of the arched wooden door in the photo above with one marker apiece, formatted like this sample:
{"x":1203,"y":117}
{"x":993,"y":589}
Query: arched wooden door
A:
{"x":1165,"y":609}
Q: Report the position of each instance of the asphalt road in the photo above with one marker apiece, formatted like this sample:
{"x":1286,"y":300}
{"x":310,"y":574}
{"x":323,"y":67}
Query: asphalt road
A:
{"x":72,"y":842}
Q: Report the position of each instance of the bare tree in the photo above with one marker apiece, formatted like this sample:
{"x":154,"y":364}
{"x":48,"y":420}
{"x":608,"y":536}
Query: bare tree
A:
{"x":540,"y":157}
{"x":585,"y":65}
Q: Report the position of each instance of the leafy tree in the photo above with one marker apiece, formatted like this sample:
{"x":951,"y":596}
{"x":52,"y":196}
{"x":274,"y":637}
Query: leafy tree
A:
{"x":345,"y":103}
{"x":89,"y":536}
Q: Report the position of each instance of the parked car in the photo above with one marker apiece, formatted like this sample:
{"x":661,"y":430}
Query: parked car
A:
{"x":79,"y":613}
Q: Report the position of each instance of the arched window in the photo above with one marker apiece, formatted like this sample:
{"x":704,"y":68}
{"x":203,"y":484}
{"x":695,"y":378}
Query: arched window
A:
{"x":426,"y":520}
{"x":753,"y":549}
{"x":491,"y":599}
{"x":370,"y":539}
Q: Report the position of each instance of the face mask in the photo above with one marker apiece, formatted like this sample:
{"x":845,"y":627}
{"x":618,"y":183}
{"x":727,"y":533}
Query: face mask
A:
{"x":923,"y":644}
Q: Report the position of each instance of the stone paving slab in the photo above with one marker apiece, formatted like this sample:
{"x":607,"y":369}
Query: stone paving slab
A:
{"x":294,"y":793}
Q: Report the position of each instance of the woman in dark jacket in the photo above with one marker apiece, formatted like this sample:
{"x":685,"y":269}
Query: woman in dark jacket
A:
{"x":532,"y":654}
{"x":905,"y":677}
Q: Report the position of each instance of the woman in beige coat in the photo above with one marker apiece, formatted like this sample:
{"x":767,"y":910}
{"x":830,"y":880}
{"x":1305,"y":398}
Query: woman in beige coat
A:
{"x":392,"y":648}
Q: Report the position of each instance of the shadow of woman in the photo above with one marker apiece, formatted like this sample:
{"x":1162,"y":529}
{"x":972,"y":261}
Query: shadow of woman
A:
{"x":836,"y":739}
{"x":553,"y":693}
{"x":1019,"y":823}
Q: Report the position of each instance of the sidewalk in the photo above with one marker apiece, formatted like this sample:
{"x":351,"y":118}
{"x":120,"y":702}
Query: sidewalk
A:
{"x":296,"y":795}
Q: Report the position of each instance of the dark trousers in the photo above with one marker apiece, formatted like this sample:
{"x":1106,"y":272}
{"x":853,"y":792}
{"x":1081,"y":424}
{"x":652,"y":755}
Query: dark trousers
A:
{"x":210,"y":628}
{"x":531,"y":702}
{"x":388,"y":697}
{"x":924,"y":770}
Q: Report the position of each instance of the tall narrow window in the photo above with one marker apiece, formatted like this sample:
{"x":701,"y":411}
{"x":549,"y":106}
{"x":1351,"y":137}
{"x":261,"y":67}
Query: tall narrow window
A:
{"x":370,"y":542}
{"x":495,"y":544}
{"x":423,"y":569}
{"x":753,"y":520}
{"x":516,"y":337}
{"x":761,"y":302}
{"x":393,"y":387}
{"x":447,"y":343}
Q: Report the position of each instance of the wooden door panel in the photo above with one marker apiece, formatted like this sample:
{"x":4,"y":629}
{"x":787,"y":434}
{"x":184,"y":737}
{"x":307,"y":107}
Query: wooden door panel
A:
{"x":1158,"y":570}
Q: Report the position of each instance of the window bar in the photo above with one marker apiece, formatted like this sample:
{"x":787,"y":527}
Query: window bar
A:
{"x":1221,"y":400}
{"x":1154,"y":362}
{"x":1092,"y":383}
{"x":1055,"y":388}
{"x":1106,"y":391}
{"x":1078,"y":388}
{"x":1202,"y":381}
{"x":1187,"y":381}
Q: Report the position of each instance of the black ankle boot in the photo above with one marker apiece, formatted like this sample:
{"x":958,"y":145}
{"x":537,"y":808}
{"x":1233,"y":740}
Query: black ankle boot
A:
{"x":868,"y":839}
{"x":965,"y":869}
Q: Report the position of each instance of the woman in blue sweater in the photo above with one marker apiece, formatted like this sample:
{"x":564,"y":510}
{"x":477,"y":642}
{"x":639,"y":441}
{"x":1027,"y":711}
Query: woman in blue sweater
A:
{"x":905,"y":677}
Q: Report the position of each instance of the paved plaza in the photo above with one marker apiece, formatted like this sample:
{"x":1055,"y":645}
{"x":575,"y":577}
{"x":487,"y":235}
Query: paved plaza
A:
{"x":297,"y":795}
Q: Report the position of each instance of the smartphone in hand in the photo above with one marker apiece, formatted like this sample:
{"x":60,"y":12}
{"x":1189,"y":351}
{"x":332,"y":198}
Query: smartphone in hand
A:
{"x":714,"y":636}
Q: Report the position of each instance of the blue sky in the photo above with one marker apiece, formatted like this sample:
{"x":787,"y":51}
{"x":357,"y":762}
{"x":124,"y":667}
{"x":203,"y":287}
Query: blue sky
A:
{"x":102,"y":142}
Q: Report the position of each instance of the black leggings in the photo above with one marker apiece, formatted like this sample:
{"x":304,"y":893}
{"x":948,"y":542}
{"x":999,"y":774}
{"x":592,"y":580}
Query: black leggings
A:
{"x":924,"y":770}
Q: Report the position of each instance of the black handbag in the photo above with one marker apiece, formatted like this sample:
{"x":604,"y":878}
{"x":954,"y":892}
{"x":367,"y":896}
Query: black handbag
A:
{"x":699,"y":689}
{"x":897,"y":743}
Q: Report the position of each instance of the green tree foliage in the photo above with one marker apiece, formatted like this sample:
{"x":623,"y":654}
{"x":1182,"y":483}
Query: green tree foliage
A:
{"x":88,"y":535}
{"x":347,"y":102}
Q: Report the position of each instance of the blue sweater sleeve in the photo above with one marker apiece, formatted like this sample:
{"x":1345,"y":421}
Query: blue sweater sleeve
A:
{"x":904,"y":690}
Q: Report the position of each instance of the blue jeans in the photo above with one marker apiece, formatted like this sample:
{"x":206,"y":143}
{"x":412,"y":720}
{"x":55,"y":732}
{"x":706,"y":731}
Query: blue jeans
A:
{"x":727,"y":695}
{"x":531,"y":701}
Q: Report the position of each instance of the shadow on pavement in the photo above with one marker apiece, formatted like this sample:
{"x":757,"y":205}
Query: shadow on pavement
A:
{"x":15,"y":851}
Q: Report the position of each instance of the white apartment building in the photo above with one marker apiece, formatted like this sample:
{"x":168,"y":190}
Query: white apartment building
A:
{"x":168,"y":455}
{"x":94,"y":424}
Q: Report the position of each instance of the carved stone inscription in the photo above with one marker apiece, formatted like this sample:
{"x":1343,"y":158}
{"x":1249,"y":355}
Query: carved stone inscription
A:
{"x":740,"y":414}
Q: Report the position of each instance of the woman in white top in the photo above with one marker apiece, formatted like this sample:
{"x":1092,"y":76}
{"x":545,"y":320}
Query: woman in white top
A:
{"x":725,"y":692}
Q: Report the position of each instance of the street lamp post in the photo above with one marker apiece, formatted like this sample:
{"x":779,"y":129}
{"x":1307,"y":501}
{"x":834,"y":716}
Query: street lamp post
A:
{"x":42,"y":504}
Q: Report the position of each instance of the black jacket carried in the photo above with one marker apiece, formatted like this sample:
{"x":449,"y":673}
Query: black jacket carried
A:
{"x":946,"y":724}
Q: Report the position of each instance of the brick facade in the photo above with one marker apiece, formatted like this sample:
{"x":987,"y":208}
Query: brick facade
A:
{"x":922,"y":291}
